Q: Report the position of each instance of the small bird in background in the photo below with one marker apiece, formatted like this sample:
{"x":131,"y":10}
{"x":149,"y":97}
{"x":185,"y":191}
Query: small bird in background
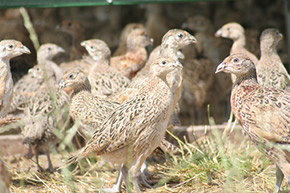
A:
{"x":136,"y":56}
{"x":235,"y":32}
{"x":48,"y":112}
{"x":45,"y":70}
{"x":8,"y":49}
{"x":105,"y":80}
{"x":263,"y":112}
{"x":270,"y":69}
{"x":76,"y":31}
{"x":134,"y":129}
{"x":122,"y":47}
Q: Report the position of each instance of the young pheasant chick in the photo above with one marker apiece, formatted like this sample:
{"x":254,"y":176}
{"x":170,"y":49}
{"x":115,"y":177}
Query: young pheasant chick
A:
{"x":270,"y":69}
{"x":105,"y":80}
{"x":135,"y":128}
{"x":48,"y":112}
{"x":8,"y":50}
{"x":136,"y":55}
{"x":45,"y":69}
{"x":263,"y":112}
{"x":122,"y":48}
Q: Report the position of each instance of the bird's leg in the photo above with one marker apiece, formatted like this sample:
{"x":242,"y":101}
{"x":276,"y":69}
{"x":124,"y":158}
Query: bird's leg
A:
{"x":126,"y":179}
{"x":117,"y":186}
{"x":29,"y":153}
{"x":279,"y":178}
{"x":142,"y":176}
{"x":37,"y":161}
{"x":50,"y":167}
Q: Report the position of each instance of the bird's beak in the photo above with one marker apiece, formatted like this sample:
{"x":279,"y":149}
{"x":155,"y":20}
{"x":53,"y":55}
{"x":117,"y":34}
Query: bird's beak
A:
{"x":60,"y":50}
{"x":151,"y":40}
{"x":193,"y":39}
{"x":25,"y":50}
{"x":218,"y":33}
{"x":84,"y":43}
{"x":220,"y":67}
{"x":281,"y":36}
{"x":61,"y":84}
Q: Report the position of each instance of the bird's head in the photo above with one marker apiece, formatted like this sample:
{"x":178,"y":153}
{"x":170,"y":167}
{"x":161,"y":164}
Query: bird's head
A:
{"x":12,"y":48}
{"x":48,"y":51}
{"x":270,"y":37}
{"x":238,"y":64}
{"x":197,"y":23}
{"x":230,"y":30}
{"x":74,"y":80}
{"x":162,"y":66}
{"x":96,"y":48}
{"x":177,"y":38}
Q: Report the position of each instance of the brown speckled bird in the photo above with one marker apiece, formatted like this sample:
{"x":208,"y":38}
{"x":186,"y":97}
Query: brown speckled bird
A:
{"x":5,"y":178}
{"x":138,"y":125}
{"x":8,"y":49}
{"x":122,"y":48}
{"x":270,"y":69}
{"x":48,"y":112}
{"x":236,"y":32}
{"x":263,"y":112}
{"x":45,"y":69}
{"x":105,"y":80}
{"x":136,"y":55}
{"x":76,"y":31}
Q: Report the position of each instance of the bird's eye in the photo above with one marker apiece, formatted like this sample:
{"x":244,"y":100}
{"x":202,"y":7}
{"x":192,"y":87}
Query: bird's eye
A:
{"x":236,"y":60}
{"x":10,"y":46}
{"x":163,"y":63}
{"x":71,"y":76}
{"x":69,"y":24}
{"x":92,"y":47}
{"x":49,"y":48}
{"x":277,"y":33}
{"x":37,"y":69}
{"x":180,"y":35}
{"x":228,"y":28}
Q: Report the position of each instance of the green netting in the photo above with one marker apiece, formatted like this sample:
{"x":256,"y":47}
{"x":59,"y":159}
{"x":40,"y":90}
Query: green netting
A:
{"x":73,"y":3}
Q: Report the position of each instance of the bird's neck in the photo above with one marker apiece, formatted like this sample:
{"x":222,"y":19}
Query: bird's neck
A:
{"x":250,"y":78}
{"x":269,"y":51}
{"x":238,"y":44}
{"x":84,"y":88}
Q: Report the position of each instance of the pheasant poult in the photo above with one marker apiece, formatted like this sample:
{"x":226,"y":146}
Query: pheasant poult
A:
{"x":105,"y":80}
{"x":134,"y":129}
{"x":263,"y":112}
{"x":136,"y":56}
{"x":270,"y":69}
{"x":45,"y":70}
{"x":48,"y":112}
{"x":8,"y":50}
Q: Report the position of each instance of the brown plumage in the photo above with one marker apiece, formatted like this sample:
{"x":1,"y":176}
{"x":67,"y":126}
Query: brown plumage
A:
{"x":105,"y":80}
{"x":122,"y":48}
{"x":138,"y":125}
{"x":135,"y":57}
{"x":5,"y":178}
{"x":45,"y":70}
{"x":8,"y":49}
{"x":48,"y":112}
{"x":236,"y":32}
{"x":270,"y":69}
{"x":263,"y":112}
